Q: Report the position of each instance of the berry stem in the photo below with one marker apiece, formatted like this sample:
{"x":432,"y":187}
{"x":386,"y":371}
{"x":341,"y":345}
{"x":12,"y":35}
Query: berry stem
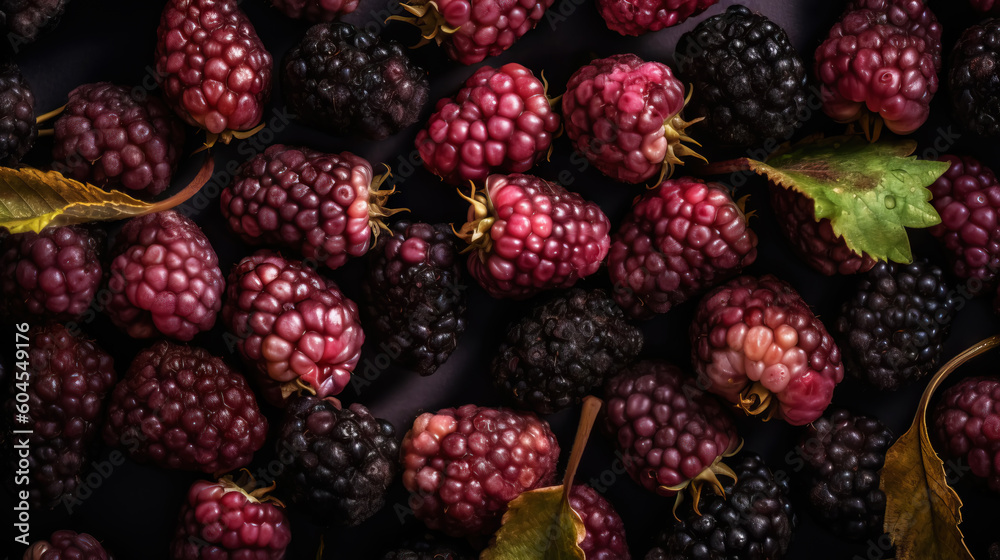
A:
{"x":946,"y":370}
{"x":49,"y":115}
{"x":588,"y":414}
{"x":204,"y":174}
{"x":756,"y":399}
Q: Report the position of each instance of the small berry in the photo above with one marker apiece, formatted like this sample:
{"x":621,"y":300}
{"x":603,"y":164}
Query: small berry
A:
{"x":529,"y":235}
{"x":605,"y":537}
{"x":17,"y":114}
{"x":843,"y":454}
{"x":748,"y":80}
{"x":757,"y":344}
{"x":212,"y":66}
{"x":966,"y":424}
{"x":563,"y":349}
{"x":624,"y":115}
{"x":67,"y":391}
{"x":328,"y":207}
{"x":24,"y":20}
{"x":52,"y":274}
{"x":346,"y":80}
{"x":415,"y":294}
{"x":471,"y":30}
{"x":882,"y":57}
{"x":67,"y":545}
{"x":635,"y":17}
{"x":108,"y":137}
{"x":967,"y":197}
{"x":222,"y":521}
{"x":499,"y":122}
{"x":463,"y":465}
{"x":893,"y":327}
{"x":164,"y":278}
{"x":343,"y":459}
{"x":673,"y":435}
{"x":179,"y":407}
{"x":678,"y":240}
{"x":974,"y":78}
{"x":293,"y":327}
{"x":752,"y":520}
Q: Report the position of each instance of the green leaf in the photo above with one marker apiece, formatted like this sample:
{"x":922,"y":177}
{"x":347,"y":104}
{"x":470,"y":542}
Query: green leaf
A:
{"x":539,"y":525}
{"x":870,"y":192}
{"x":31,"y":200}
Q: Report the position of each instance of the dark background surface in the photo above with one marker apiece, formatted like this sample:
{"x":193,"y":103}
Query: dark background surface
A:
{"x":133,"y":509}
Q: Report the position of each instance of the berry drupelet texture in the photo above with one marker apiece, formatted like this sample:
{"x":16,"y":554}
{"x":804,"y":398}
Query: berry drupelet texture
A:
{"x":754,"y":520}
{"x":164,"y":278}
{"x":67,"y":545}
{"x":678,"y":240}
{"x":892,"y":328}
{"x":345,"y":80}
{"x":294,"y":328}
{"x":756,"y":343}
{"x":220,"y":520}
{"x":748,"y":80}
{"x":343,"y":459}
{"x":179,"y":407}
{"x":974,"y":78}
{"x":24,"y":20}
{"x":416,"y":300}
{"x":966,"y":424}
{"x":881,"y":58}
{"x":17,"y":115}
{"x":843,"y":454}
{"x":563,"y":349}
{"x":605,"y":532}
{"x":212,"y":66}
{"x":815,"y":241}
{"x":967,"y":197}
{"x":324,"y":206}
{"x":112,"y":138}
{"x":636,"y":17}
{"x":624,"y":115}
{"x":53,"y":274}
{"x":673,"y":435}
{"x":529,"y":235}
{"x":499,"y":122}
{"x":71,"y":379}
{"x":463,"y":465}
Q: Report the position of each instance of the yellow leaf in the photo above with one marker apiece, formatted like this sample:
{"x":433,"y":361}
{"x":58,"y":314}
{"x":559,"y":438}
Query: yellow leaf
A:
{"x":922,"y":512}
{"x":539,"y":525}
{"x":31,"y":200}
